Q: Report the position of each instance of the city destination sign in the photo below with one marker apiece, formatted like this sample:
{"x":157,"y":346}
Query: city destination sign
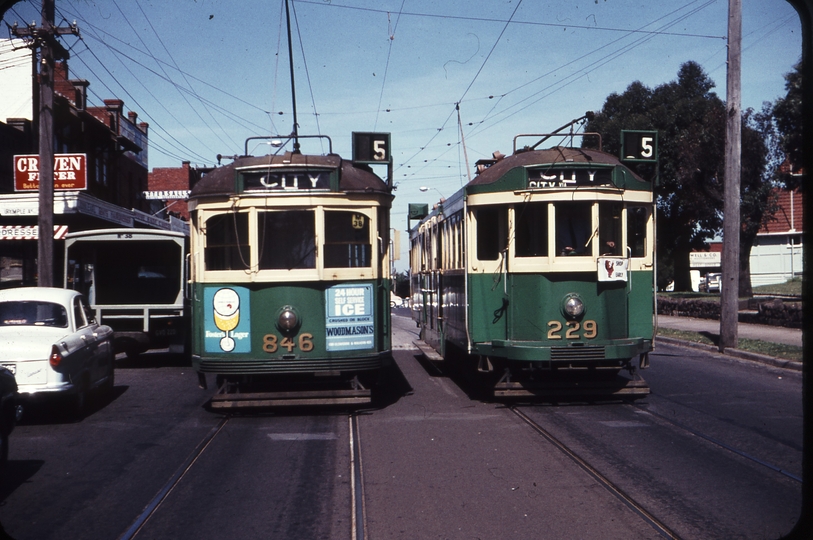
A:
{"x":290,"y":180}
{"x":70,"y":172}
{"x":549,"y":177}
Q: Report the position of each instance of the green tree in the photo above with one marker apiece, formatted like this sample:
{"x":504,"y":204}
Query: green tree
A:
{"x":690,"y":120}
{"x":787,"y":115}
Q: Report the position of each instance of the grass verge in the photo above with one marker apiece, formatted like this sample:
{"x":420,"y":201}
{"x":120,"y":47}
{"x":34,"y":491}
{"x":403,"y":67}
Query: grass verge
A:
{"x":776,"y":350}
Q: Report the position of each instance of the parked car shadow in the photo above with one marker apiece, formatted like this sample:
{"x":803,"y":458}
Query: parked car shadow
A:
{"x":16,"y":473}
{"x":152,"y":359}
{"x":55,"y":410}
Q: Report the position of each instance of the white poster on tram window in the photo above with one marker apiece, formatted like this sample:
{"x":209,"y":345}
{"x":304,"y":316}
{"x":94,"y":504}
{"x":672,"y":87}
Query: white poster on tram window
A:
{"x":349,"y":323}
{"x":612,"y":269}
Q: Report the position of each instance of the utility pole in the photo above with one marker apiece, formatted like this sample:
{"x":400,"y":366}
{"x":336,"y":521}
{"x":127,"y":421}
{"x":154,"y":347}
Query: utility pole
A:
{"x":729,"y":287}
{"x":44,"y":38}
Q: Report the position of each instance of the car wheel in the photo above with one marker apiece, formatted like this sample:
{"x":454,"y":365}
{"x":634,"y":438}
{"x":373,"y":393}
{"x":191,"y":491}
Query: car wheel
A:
{"x":110,"y":383}
{"x":78,"y":400}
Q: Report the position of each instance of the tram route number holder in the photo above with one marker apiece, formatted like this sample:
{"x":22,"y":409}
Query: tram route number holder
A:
{"x":639,"y":146}
{"x":373,"y":149}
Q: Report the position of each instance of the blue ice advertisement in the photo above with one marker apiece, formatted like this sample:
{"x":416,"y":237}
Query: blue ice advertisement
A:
{"x":349,"y":323}
{"x":227,"y":320}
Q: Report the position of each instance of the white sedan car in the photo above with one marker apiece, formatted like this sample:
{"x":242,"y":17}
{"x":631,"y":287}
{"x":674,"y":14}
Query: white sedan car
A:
{"x":52,"y":344}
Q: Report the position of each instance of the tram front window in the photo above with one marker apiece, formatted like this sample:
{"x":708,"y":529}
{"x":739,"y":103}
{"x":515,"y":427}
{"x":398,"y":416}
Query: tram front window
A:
{"x":347,"y":240}
{"x":227,"y":245}
{"x":574,"y":228}
{"x":287,"y":240}
{"x":491,"y":225}
{"x":532,"y":230}
{"x":609,"y":228}
{"x":637,"y":217}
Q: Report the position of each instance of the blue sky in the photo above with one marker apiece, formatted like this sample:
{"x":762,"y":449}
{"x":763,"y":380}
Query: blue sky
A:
{"x":207,"y":74}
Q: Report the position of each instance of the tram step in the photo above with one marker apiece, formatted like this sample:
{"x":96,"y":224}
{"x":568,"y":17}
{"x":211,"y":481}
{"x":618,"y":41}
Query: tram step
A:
{"x":619,"y":387}
{"x":282,"y":399}
{"x":427,"y":350}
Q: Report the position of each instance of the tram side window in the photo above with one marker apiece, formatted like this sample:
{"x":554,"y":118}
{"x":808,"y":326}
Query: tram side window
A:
{"x":637,"y":217}
{"x":287,"y":239}
{"x":609,"y":228}
{"x":573,"y":228}
{"x":227,"y":245}
{"x":491,"y":226}
{"x":532,"y":230}
{"x":347,"y":240}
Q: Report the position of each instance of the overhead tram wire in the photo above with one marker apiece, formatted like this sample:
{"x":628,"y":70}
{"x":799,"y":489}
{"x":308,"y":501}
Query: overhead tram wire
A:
{"x":307,"y":76}
{"x":132,"y":98}
{"x":476,"y":75}
{"x":391,"y":37}
{"x":191,"y":88}
{"x":492,"y":20}
{"x":583,"y":72}
{"x":648,"y":35}
{"x":606,"y":45}
{"x":244,"y":122}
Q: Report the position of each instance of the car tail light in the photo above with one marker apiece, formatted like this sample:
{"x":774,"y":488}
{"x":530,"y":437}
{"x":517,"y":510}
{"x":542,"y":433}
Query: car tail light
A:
{"x":56,"y":357}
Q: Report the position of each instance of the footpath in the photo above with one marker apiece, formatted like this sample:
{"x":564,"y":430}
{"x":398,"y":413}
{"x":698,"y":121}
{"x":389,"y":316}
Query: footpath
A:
{"x":711,"y":329}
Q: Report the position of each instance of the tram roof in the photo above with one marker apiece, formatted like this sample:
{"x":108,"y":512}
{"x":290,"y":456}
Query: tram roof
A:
{"x":352,"y":177}
{"x":559,"y":155}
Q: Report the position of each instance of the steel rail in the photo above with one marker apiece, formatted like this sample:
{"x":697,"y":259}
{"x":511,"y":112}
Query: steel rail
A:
{"x":654,"y":522}
{"x":358,"y":509}
{"x":721,"y":444}
{"x":173,"y":481}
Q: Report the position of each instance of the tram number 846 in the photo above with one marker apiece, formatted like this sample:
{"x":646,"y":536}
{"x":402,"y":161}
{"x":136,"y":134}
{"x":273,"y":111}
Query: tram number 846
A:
{"x":272,"y":343}
{"x":589,"y":328}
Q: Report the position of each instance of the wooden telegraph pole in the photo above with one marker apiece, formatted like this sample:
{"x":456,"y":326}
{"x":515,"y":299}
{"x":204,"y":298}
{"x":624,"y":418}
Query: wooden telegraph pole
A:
{"x":44,"y":38}
{"x":729,"y":287}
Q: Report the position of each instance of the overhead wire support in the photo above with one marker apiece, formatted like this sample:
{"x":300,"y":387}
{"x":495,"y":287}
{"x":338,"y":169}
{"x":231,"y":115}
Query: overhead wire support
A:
{"x":51,"y":50}
{"x":295,"y":133}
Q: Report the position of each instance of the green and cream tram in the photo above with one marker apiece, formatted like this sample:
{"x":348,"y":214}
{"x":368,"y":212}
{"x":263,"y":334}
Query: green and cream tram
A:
{"x":290,"y":278}
{"x":540,"y":273}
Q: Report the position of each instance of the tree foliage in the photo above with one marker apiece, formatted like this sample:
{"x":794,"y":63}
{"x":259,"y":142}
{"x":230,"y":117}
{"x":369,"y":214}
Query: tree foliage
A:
{"x":787,"y":114}
{"x":690,"y":120}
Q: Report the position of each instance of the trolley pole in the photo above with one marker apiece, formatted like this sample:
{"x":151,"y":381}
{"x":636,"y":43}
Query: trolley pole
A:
{"x":730,"y":284}
{"x":44,"y":38}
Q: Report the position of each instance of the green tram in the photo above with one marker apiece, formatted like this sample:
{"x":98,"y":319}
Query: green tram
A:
{"x":290,"y":278}
{"x":539,"y":274}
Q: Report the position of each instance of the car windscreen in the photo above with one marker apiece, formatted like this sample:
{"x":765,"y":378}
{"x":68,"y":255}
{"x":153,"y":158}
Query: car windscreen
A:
{"x":32,"y":313}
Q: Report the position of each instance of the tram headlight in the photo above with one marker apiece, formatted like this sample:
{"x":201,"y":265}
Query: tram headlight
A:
{"x":572,"y":306}
{"x":287,"y":320}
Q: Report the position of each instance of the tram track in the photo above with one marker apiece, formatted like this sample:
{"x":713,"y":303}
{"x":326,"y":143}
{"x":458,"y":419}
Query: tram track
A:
{"x":358,"y":509}
{"x":719,"y":443}
{"x":153,"y":506}
{"x":662,"y":529}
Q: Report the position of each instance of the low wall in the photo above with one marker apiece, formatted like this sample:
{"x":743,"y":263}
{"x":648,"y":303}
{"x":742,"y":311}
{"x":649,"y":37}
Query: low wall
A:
{"x":754,"y":311}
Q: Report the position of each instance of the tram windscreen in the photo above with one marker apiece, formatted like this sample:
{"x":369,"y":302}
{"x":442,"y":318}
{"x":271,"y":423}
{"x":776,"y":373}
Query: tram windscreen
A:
{"x":532,"y":230}
{"x":347,"y":240}
{"x":491,"y":225}
{"x":227,"y":246}
{"x":609,"y":228}
{"x":637,"y":217}
{"x":574,"y":228}
{"x":287,"y":239}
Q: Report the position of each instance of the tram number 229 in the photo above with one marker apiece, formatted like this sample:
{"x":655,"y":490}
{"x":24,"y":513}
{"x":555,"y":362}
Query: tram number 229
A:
{"x":574,"y":330}
{"x":272,"y":343}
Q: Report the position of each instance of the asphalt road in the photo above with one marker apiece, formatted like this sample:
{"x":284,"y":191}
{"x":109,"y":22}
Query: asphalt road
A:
{"x":435,"y":463}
